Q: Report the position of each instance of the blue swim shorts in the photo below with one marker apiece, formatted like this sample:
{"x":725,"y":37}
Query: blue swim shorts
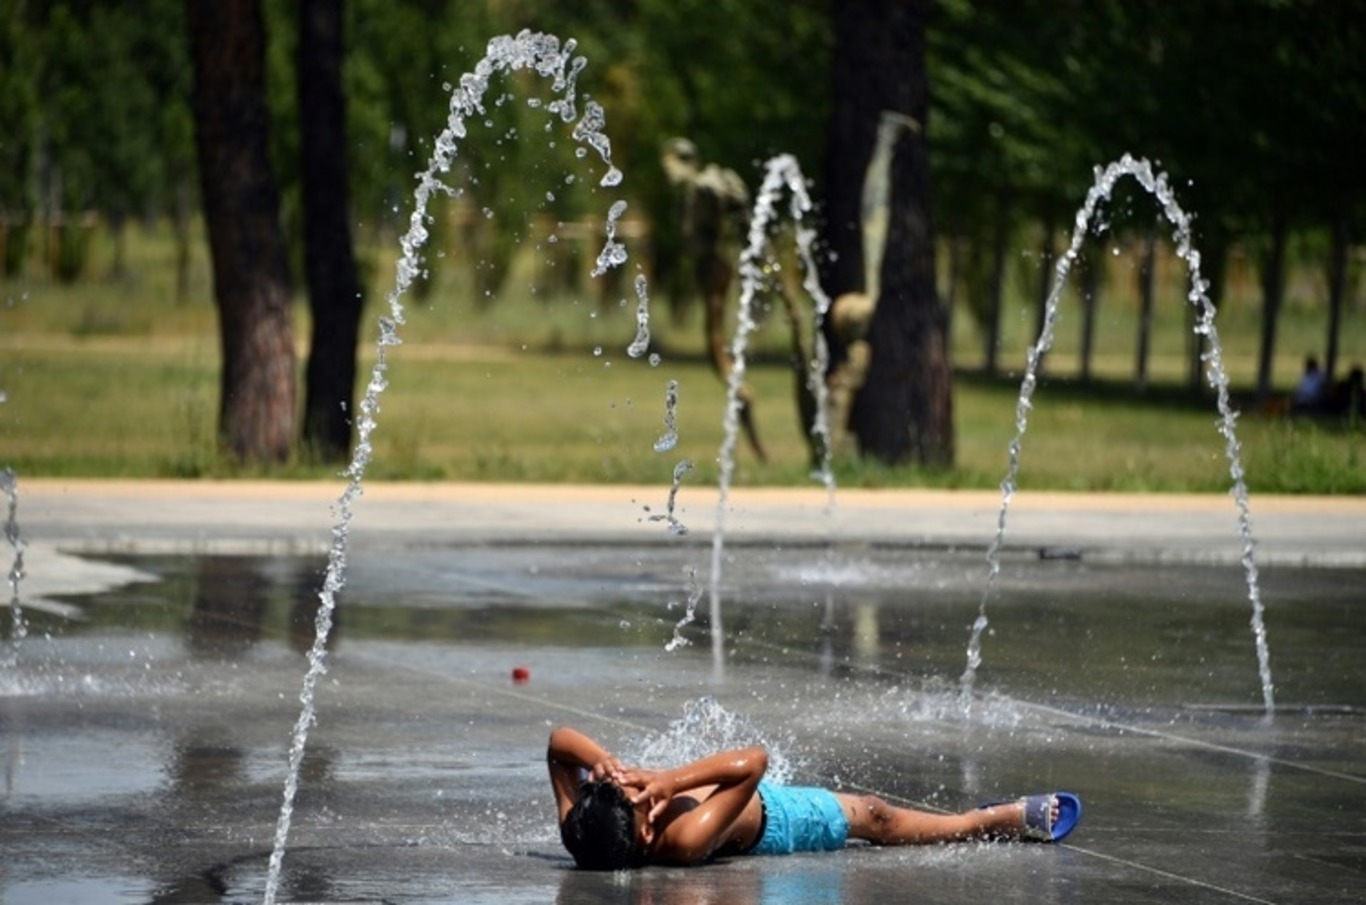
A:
{"x":800,"y":819}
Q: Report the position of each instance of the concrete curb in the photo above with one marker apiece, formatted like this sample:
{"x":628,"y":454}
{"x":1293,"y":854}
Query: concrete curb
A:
{"x":297,"y":517}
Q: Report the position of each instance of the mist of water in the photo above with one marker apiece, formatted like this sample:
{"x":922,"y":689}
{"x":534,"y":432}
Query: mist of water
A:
{"x":1155,"y":183}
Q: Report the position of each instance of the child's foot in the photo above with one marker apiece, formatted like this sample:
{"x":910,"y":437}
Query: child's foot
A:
{"x":1048,"y":818}
{"x":1044,"y":818}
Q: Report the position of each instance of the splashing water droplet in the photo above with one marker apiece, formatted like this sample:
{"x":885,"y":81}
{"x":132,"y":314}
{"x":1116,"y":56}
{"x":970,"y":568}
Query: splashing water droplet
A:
{"x":689,"y":613}
{"x":669,"y":439}
{"x":676,"y":527}
{"x":641,"y":343}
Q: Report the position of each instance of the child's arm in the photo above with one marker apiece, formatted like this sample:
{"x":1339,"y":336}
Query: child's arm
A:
{"x":693,"y":836}
{"x":569,"y":755}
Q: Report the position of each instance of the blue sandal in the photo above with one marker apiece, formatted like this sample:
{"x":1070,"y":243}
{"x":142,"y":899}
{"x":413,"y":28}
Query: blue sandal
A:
{"x":1037,"y":808}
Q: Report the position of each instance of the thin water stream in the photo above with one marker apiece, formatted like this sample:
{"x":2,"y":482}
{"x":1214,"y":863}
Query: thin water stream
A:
{"x":9,"y":485}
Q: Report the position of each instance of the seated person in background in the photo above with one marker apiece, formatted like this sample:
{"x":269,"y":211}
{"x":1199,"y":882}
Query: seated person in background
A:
{"x":1309,"y":395}
{"x":614,"y":817}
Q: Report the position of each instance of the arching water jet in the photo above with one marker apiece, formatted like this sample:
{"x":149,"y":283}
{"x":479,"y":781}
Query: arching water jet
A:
{"x":547,"y":57}
{"x":1156,"y":185}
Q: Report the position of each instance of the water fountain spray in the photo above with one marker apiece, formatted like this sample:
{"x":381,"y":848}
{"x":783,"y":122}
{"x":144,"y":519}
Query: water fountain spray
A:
{"x":547,"y":57}
{"x":1156,"y":185}
{"x":781,"y":173}
{"x":9,"y":485}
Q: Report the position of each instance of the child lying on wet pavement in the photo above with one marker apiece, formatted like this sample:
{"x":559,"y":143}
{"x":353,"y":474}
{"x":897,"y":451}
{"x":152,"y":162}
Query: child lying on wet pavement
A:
{"x":614,"y":817}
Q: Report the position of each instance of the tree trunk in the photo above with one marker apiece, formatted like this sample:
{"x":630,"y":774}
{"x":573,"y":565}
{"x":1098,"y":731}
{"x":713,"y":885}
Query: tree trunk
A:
{"x":242,"y":210}
{"x":851,"y":137}
{"x":1000,"y":246}
{"x":334,"y":293}
{"x":1273,"y":290}
{"x":1092,"y":276}
{"x":1147,"y":266}
{"x":1048,"y":257}
{"x":118,"y":227}
{"x":955,"y":277}
{"x":181,"y":228}
{"x":1337,"y":292}
{"x":904,"y":411}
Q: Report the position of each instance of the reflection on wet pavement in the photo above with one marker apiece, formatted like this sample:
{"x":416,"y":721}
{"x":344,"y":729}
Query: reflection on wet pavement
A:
{"x":144,"y":743}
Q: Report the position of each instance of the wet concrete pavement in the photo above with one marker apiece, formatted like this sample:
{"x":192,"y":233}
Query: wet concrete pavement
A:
{"x":145,"y":728}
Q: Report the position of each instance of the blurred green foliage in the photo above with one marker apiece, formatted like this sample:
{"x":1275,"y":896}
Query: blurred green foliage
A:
{"x":1257,"y":108}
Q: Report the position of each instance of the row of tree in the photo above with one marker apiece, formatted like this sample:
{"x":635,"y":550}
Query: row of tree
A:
{"x":1257,"y":111}
{"x":1254,"y":107}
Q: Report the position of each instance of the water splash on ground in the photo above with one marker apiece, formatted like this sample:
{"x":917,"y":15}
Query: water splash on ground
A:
{"x":705,"y":728}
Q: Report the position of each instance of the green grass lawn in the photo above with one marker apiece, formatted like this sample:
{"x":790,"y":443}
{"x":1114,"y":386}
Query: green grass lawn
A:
{"x":112,"y":378}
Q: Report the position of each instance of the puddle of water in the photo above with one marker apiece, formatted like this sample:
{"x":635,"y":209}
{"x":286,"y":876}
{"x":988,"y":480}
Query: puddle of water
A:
{"x":1110,"y":634}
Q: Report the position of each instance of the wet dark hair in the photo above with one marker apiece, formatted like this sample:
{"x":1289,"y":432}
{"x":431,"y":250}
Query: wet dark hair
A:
{"x":600,"y":829}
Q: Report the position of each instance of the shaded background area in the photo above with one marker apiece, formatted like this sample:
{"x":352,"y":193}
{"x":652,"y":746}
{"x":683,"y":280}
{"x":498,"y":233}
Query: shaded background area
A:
{"x":1254,"y":109}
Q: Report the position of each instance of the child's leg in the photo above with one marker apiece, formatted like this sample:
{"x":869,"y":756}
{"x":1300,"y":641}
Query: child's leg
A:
{"x":876,"y":821}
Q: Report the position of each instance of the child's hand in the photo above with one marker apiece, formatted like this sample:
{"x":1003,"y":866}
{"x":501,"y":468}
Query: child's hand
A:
{"x":652,"y":786}
{"x":608,"y":769}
